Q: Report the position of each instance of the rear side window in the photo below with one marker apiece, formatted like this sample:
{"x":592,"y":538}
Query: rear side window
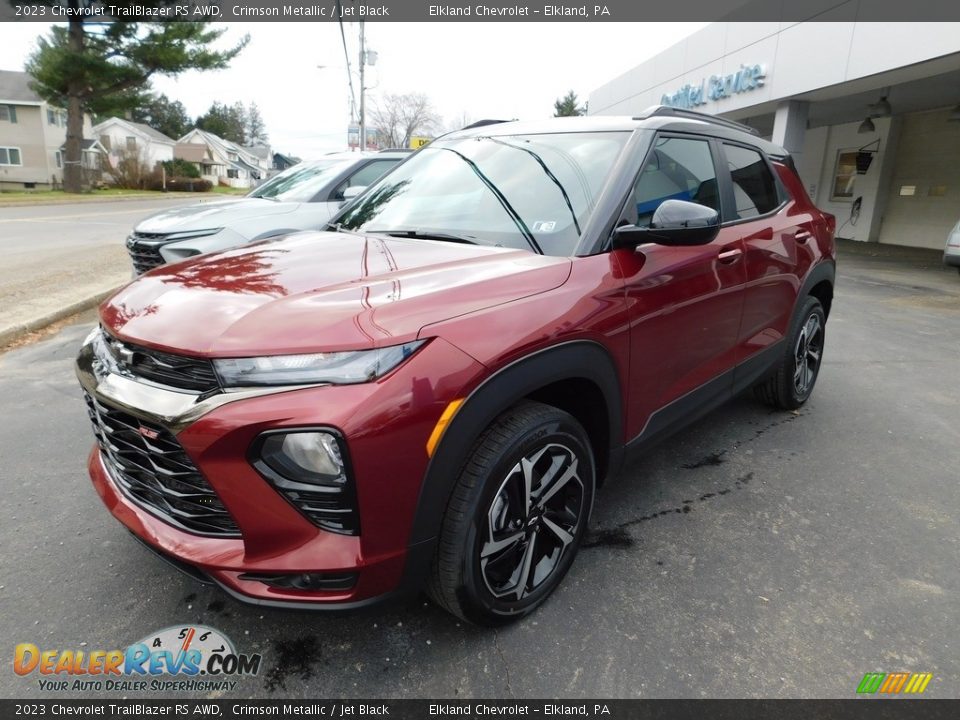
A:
{"x":676,"y":169}
{"x":754,"y":189}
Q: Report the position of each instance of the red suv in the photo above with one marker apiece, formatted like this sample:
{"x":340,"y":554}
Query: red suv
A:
{"x":429,"y":395}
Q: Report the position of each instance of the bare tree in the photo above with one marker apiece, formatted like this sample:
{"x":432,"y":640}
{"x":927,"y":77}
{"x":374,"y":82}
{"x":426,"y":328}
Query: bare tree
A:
{"x":129,"y":168}
{"x":397,"y":118}
{"x":460,"y":121}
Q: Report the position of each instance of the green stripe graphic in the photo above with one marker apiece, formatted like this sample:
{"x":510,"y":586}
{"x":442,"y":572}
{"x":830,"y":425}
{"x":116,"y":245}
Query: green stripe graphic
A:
{"x":871,"y":682}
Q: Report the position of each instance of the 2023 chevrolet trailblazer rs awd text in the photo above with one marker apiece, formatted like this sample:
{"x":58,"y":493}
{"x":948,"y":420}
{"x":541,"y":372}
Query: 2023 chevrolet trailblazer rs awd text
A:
{"x":429,"y":395}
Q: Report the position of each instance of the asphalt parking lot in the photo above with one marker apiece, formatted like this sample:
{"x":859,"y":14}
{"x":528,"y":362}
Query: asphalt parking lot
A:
{"x":756,"y":554}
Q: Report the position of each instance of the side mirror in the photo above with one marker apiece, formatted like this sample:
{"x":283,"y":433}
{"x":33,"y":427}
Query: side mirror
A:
{"x":675,"y":222}
{"x":351,"y":192}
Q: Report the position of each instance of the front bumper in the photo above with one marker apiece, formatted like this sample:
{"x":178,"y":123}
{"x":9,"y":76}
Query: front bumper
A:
{"x":952,"y":258}
{"x":386,"y":425}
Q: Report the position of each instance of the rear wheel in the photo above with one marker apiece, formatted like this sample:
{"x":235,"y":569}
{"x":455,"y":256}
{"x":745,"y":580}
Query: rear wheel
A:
{"x":792,"y":383}
{"x":516,"y":517}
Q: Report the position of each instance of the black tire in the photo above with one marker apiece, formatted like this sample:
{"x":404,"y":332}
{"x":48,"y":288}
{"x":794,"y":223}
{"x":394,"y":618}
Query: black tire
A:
{"x":790,"y":385}
{"x":485,"y":516}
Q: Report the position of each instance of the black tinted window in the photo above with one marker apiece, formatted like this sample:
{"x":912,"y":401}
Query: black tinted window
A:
{"x":676,"y":169}
{"x":754,"y":189}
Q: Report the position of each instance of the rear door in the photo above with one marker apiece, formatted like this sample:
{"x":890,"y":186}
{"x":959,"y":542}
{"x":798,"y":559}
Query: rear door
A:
{"x":775,"y":232}
{"x":685,"y":303}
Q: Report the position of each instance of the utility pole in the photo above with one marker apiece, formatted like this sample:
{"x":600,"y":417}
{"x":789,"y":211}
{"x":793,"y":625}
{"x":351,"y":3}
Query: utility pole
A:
{"x":363,"y":89}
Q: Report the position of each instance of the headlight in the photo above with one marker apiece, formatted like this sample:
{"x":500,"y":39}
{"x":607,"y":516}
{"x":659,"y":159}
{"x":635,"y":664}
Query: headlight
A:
{"x":340,"y":368}
{"x":190,"y":234}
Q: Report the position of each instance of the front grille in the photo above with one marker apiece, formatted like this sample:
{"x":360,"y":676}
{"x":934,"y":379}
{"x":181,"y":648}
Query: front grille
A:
{"x":144,"y":249}
{"x":175,"y":371}
{"x":153,"y":470}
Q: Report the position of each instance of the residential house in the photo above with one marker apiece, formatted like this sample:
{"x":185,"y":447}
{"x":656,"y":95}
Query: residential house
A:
{"x":32,"y":135}
{"x":221,"y":161}
{"x":124,"y":138}
{"x":264,"y":157}
{"x":281,"y":161}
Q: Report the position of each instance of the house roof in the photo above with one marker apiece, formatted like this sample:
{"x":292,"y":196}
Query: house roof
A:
{"x":260,"y":151}
{"x":191,"y":152}
{"x":221,"y":146}
{"x":243,"y":164}
{"x":154,"y":135}
{"x":15,"y":87}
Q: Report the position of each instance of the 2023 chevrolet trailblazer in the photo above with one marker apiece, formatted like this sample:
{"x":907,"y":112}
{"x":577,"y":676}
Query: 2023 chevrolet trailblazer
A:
{"x":429,"y":396}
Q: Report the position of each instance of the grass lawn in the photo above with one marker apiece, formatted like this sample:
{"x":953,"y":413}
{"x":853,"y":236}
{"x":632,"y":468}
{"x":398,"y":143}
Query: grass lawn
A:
{"x":56,"y":196}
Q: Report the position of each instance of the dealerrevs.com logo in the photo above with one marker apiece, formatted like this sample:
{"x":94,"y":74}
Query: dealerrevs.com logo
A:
{"x":187,"y":659}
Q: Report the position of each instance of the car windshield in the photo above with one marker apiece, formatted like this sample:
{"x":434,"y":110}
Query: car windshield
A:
{"x":301,"y":182}
{"x":521,"y":191}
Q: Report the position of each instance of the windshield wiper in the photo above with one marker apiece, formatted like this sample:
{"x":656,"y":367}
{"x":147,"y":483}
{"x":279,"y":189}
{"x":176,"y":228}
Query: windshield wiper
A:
{"x":501,"y":198}
{"x":549,"y":174}
{"x":427,"y":235}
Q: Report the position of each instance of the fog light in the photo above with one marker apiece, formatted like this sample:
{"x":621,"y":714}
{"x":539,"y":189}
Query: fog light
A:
{"x":310,"y":457}
{"x":310,"y":468}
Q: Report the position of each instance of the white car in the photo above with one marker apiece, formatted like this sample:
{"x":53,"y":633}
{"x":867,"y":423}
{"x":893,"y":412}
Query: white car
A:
{"x":303,"y":197}
{"x":951,"y":255}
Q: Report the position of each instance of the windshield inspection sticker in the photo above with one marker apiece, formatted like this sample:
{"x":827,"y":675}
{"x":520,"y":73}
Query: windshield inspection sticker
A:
{"x":544,"y":226}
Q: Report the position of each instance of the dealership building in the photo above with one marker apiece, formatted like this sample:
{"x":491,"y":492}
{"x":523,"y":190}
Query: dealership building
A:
{"x":869,"y":110}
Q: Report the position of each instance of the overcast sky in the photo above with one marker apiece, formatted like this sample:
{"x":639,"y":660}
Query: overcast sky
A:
{"x":481,"y":70}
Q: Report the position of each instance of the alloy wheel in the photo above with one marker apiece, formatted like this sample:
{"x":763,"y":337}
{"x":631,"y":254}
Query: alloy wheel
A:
{"x":532,"y":520}
{"x":807,"y":353}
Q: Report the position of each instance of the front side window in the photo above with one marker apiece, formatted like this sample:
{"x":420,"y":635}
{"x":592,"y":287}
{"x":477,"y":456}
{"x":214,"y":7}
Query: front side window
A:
{"x":9,"y":156}
{"x":532,"y":192}
{"x":366,"y":175}
{"x":676,"y":169}
{"x":754,"y":189}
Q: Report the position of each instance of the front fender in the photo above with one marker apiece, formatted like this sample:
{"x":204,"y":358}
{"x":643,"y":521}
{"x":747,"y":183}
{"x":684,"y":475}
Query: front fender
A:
{"x":579,"y":359}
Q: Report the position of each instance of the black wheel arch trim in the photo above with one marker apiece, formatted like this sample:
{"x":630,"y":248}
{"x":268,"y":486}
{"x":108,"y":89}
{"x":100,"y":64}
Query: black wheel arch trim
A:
{"x":825,"y":270}
{"x":576,"y":359}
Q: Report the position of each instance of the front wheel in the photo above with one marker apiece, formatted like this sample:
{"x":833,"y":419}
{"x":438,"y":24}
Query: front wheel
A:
{"x":792,"y":383}
{"x":516,"y":516}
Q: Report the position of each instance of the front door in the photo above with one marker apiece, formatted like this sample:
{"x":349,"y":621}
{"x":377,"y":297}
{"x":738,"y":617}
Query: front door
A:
{"x":684,"y":303}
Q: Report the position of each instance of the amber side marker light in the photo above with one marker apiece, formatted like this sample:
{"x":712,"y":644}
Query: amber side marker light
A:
{"x":441,"y":425}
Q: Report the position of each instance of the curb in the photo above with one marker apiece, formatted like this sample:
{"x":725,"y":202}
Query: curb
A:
{"x":12,"y":334}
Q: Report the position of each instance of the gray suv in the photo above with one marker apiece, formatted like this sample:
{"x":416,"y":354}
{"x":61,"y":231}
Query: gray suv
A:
{"x":303,"y":197}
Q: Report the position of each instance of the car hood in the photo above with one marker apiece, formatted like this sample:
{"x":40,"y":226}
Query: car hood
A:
{"x":320,"y":291}
{"x":212,"y":215}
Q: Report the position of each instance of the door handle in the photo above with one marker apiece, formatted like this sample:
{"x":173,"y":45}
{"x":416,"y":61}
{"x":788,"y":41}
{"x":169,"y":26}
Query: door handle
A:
{"x":729,"y":255}
{"x":802,"y":236}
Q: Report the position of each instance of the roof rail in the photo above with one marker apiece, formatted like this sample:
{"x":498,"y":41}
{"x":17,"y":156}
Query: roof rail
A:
{"x":667,"y":111}
{"x":483,"y":123}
